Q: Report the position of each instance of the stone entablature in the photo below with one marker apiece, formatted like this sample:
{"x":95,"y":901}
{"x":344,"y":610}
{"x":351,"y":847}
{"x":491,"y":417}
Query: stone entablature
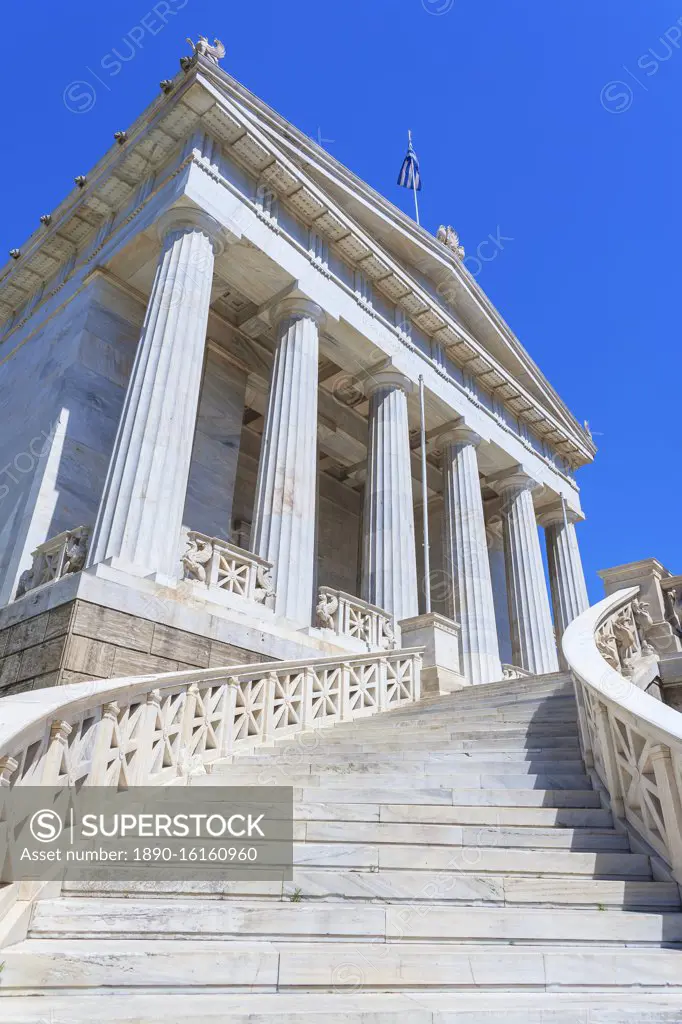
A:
{"x":347,"y":615}
{"x":90,"y":215}
{"x":226,"y":567}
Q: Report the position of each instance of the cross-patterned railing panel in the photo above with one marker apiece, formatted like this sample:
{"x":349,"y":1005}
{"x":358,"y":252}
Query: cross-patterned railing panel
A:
{"x":154,"y":729}
{"x":347,"y":615}
{"x":225,"y":567}
{"x":633,"y":741}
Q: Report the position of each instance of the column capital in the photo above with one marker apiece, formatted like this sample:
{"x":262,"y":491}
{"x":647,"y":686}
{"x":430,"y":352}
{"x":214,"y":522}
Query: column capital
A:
{"x":297,"y":308}
{"x":554,"y":514}
{"x":459,"y":435}
{"x":187,"y":218}
{"x":512,"y":481}
{"x":388,"y":377}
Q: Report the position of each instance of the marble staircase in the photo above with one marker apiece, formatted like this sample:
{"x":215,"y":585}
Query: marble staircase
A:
{"x":454,"y":862}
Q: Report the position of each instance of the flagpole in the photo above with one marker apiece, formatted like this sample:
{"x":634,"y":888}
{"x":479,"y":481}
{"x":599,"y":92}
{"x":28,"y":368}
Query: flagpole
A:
{"x":414,"y":184}
{"x":425,"y":500}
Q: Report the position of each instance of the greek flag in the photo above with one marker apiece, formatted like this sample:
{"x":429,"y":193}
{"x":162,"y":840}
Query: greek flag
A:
{"x":409,"y":173}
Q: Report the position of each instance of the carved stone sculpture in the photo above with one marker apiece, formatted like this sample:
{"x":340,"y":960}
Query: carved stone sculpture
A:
{"x":198,"y":555}
{"x":673,"y":610}
{"x":264,"y":585}
{"x":607,"y":646}
{"x":449,"y":238}
{"x":75,"y":553}
{"x":326,"y":608}
{"x":203,"y":48}
{"x":387,"y":633}
{"x":644,"y":623}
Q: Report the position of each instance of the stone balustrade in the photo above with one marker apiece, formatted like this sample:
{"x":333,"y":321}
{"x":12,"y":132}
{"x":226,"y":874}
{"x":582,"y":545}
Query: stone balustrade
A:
{"x":514,"y":672}
{"x":349,"y":616}
{"x":57,"y":557}
{"x":150,"y":730}
{"x":224,"y":566}
{"x":632,"y":741}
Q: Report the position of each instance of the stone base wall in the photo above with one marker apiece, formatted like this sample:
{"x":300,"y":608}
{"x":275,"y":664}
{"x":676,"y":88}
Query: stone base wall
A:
{"x":78,"y":641}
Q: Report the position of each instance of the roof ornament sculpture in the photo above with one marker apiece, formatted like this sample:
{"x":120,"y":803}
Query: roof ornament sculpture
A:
{"x":202,"y":48}
{"x":449,"y":238}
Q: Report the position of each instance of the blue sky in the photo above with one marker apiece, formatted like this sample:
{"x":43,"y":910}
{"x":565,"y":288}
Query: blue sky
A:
{"x":554,"y":125}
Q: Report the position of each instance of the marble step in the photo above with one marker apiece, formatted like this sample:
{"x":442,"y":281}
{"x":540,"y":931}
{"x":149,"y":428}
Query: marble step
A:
{"x":521,"y":817}
{"x":383,"y":885}
{"x":465,"y":835}
{"x":404,"y":794}
{"x":569,"y":1006}
{"x":475,"y":858}
{"x":233,"y":775}
{"x":418,"y":758}
{"x":361,"y":745}
{"x":330,"y":766}
{"x":142,"y":920}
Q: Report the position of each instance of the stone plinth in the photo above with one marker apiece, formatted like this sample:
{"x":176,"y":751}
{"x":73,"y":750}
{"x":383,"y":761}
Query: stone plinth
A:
{"x":440,"y":638}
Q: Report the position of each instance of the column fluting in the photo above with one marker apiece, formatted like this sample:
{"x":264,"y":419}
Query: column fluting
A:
{"x":140,"y":514}
{"x":530,"y":619}
{"x":286,"y":493}
{"x":389,"y":572}
{"x":566,"y":576}
{"x":466,"y":555}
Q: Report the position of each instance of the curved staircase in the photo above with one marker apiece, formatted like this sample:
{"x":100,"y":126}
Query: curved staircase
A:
{"x":454,"y":863}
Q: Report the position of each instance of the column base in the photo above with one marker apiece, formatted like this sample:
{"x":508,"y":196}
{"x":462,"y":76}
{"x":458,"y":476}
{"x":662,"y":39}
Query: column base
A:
{"x":104,"y":570}
{"x":439,"y":636}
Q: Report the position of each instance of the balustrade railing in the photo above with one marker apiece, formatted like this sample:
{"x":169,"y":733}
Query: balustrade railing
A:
{"x":57,"y":557}
{"x":347,"y":615}
{"x":151,"y":730}
{"x":632,"y":740}
{"x":223,"y":566}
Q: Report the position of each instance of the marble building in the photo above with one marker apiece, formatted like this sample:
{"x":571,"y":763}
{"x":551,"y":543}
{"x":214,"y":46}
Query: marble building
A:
{"x":209,"y":358}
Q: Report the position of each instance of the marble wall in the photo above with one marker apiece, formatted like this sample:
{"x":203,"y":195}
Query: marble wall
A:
{"x":62,"y":395}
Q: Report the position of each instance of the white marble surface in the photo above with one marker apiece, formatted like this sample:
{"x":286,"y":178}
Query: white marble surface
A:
{"x":286,"y":495}
{"x":466,"y":551}
{"x":566,"y":576}
{"x":389,"y":572}
{"x":140,"y":514}
{"x":533,"y":644}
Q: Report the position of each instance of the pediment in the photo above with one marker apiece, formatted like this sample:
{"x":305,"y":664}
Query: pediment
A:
{"x":404,"y":262}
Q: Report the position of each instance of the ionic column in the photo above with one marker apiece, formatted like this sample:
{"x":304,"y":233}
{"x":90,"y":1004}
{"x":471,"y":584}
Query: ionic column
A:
{"x":140,"y":514}
{"x":286,"y":494}
{"x":530,"y":619}
{"x":498,"y":577}
{"x":466,"y":554}
{"x":566,"y":577}
{"x":389,"y":569}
